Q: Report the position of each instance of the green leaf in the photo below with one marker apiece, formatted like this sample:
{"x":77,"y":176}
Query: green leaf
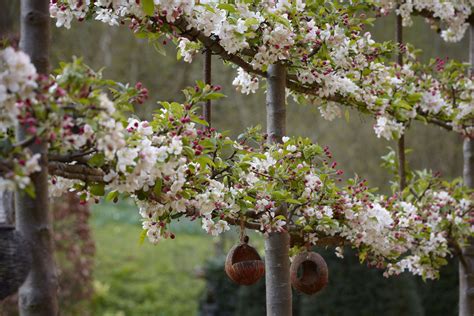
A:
{"x":403,"y":104}
{"x":97,"y":189}
{"x":279,"y":195}
{"x":251,"y":21}
{"x":214,"y":96}
{"x":158,"y":186}
{"x":141,"y":34}
{"x":141,"y":195}
{"x":188,"y":151}
{"x":292,"y":201}
{"x":279,"y":19}
{"x":227,"y":7}
{"x":111,"y":196}
{"x":197,"y":120}
{"x":97,"y":160}
{"x":369,"y":21}
{"x":414,"y":98}
{"x":148,"y":7}
{"x":280,"y":217}
{"x":142,"y":237}
{"x":30,"y":190}
{"x":204,"y":161}
{"x":159,"y":48}
{"x":201,"y":84}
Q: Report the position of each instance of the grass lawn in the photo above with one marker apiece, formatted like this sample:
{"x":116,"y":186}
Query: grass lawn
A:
{"x":134,"y":279}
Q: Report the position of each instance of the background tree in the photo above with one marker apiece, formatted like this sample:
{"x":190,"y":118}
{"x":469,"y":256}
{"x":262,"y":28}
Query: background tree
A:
{"x":277,"y":244}
{"x":38,"y":295}
{"x":466,"y":273}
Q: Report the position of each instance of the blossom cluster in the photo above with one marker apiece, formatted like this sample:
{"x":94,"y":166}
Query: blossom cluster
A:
{"x":451,"y":16}
{"x":331,"y":60}
{"x":17,"y":79}
{"x":173,"y":169}
{"x":413,"y":230}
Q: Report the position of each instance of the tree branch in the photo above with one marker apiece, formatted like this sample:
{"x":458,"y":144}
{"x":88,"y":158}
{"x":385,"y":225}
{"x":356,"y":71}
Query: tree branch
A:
{"x":75,"y":156}
{"x":291,"y":81}
{"x":77,"y":172}
{"x":213,"y":44}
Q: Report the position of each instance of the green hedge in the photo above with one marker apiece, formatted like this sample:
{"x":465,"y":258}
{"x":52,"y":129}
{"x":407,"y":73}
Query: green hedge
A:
{"x":353,"y":290}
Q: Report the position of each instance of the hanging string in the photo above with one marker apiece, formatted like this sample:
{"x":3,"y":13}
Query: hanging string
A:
{"x":242,"y":229}
{"x":401,"y":141}
{"x":206,"y":111}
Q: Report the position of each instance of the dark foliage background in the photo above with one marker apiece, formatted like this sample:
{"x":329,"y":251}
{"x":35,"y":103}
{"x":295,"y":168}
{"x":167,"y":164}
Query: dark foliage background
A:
{"x":353,"y":290}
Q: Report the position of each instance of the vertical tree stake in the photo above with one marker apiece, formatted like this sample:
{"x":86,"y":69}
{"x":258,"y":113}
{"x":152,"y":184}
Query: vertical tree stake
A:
{"x":38,"y":295}
{"x":207,"y":80}
{"x":401,"y":141}
{"x":277,"y":245}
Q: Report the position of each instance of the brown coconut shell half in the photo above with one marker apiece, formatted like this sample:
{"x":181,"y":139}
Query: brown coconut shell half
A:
{"x":309,"y":273}
{"x":243,"y":264}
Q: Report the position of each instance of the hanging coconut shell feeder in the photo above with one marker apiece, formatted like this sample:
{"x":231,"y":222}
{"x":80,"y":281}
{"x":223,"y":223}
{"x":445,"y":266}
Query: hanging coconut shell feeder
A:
{"x":15,"y":260}
{"x":309,"y":273}
{"x":243,"y":264}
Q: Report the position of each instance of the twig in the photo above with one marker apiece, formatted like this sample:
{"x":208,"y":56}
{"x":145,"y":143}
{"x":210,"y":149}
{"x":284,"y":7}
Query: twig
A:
{"x":26,"y":142}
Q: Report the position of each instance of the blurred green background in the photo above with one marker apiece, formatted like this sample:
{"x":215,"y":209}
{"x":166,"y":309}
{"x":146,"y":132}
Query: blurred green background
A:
{"x":170,"y":278}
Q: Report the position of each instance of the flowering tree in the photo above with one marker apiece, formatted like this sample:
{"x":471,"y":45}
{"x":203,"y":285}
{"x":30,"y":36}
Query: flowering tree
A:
{"x":328,"y":62}
{"x":271,"y":183}
{"x":451,"y":19}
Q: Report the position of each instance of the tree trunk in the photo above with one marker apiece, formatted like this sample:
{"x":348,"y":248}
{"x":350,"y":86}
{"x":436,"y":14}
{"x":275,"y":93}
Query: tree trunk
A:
{"x":277,"y":245}
{"x":7,"y":21}
{"x":38,"y":295}
{"x":466,"y":275}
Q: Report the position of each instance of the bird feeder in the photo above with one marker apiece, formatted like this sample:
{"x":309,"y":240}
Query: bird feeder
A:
{"x":15,"y":260}
{"x":243,"y":264}
{"x":309,"y":273}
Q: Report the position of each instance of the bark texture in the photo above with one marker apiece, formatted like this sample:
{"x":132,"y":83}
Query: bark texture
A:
{"x":7,"y":19}
{"x":38,"y":295}
{"x":277,"y":245}
{"x":466,"y":275}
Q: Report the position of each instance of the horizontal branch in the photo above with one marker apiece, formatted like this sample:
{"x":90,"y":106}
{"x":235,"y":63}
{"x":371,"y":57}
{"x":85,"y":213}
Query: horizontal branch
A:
{"x":71,"y":157}
{"x":324,"y":241}
{"x":194,"y":34}
{"x":25,"y":142}
{"x":429,"y":15}
{"x":291,"y":82}
{"x":439,"y":123}
{"x":236,"y":222}
{"x":76,"y":172}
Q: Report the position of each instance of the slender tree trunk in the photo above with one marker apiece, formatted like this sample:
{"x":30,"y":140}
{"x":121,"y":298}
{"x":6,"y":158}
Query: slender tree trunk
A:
{"x":106,"y":39}
{"x":38,"y":295}
{"x":466,"y":275}
{"x":277,"y":245}
{"x":7,"y":20}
